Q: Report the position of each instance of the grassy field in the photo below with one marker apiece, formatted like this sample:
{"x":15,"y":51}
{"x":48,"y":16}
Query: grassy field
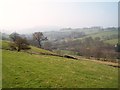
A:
{"x":112,"y":41}
{"x":101,"y":34}
{"x":38,"y":50}
{"x":0,"y":68}
{"x":4,"y":44}
{"x":0,"y":64}
{"x":21,"y":69}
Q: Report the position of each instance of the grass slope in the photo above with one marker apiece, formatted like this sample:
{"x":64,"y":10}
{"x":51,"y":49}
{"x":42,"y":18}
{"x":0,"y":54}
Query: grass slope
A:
{"x":101,"y":34}
{"x":0,"y":65}
{"x":104,"y":34}
{"x":21,"y":69}
{"x":39,"y":50}
{"x":112,"y":41}
{"x":4,"y":44}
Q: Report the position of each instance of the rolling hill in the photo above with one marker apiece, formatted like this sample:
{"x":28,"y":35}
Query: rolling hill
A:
{"x":112,"y":41}
{"x":105,"y":36}
{"x":24,"y":70}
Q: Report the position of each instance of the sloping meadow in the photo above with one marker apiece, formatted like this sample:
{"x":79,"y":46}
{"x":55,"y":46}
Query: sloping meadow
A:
{"x":23,"y":70}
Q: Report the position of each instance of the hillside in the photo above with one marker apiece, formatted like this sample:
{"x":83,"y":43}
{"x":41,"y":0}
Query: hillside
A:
{"x":108,"y":37}
{"x":112,"y":41}
{"x":104,"y":35}
{"x":21,"y":69}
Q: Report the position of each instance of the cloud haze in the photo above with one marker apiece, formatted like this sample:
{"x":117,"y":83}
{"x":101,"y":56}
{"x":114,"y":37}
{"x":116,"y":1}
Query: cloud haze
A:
{"x":21,"y":14}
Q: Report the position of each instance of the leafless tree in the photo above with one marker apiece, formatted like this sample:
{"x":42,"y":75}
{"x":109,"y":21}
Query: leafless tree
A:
{"x":39,"y":37}
{"x":14,"y":36}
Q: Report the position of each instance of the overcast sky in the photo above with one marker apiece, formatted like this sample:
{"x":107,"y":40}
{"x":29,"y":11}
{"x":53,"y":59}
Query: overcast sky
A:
{"x":21,"y":14}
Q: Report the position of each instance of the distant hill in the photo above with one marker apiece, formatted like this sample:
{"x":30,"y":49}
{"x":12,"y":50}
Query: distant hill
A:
{"x":68,"y":32}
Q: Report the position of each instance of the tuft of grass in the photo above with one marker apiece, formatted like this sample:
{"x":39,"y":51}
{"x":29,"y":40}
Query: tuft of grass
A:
{"x":22,"y":70}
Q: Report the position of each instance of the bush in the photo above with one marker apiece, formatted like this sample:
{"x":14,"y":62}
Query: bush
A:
{"x":19,"y":43}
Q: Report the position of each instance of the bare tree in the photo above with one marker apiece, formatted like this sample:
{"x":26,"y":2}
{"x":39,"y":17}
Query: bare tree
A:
{"x":18,"y":43}
{"x":14,"y":36}
{"x":39,"y":37}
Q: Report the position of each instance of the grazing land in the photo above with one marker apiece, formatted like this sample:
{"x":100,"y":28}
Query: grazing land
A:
{"x":40,"y":68}
{"x":21,"y":69}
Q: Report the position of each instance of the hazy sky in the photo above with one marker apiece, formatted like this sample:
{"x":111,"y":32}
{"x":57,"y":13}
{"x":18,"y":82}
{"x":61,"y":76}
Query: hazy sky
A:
{"x":20,"y":14}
